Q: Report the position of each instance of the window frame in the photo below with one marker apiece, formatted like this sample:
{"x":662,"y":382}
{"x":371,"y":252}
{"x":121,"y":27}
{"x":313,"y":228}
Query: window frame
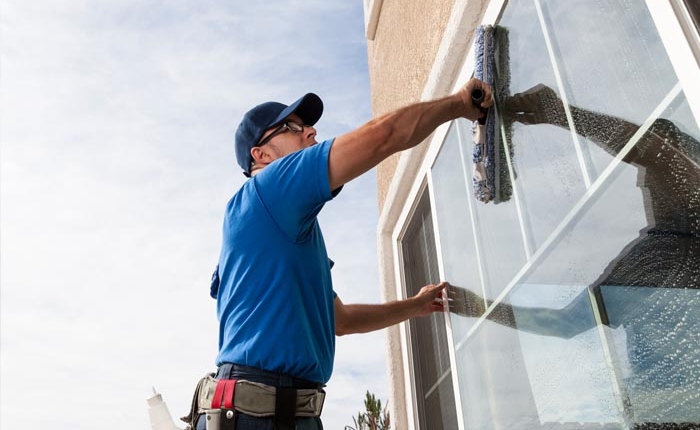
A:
{"x":682,"y":43}
{"x":419,"y":186}
{"x":372,"y":10}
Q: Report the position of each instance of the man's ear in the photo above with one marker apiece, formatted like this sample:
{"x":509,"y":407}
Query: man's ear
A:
{"x":259,"y":154}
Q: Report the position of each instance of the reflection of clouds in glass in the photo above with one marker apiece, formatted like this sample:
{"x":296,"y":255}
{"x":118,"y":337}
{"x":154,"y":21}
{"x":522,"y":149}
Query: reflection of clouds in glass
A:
{"x":549,"y":178}
{"x":609,"y":53}
{"x":662,"y":330}
{"x":520,"y":380}
{"x":611,"y":220}
{"x":561,"y":393}
{"x":529,"y":61}
{"x":498,"y":235}
{"x":609,"y":70}
{"x":491,"y":376}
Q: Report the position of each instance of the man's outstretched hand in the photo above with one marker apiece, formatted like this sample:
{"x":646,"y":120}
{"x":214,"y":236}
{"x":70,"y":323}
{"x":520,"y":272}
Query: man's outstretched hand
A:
{"x":429,"y":299}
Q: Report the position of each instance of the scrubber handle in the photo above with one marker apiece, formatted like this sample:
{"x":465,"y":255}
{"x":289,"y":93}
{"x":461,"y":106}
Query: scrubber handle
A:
{"x":477,"y":98}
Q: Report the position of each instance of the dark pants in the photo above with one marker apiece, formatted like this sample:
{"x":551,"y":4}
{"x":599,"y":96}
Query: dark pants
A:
{"x":247,"y":422}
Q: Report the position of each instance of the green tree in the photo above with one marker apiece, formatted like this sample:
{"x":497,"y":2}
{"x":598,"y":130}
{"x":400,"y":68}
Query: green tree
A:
{"x":374,"y":418}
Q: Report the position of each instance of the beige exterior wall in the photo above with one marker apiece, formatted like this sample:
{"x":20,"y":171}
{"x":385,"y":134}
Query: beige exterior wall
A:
{"x":400,"y":59}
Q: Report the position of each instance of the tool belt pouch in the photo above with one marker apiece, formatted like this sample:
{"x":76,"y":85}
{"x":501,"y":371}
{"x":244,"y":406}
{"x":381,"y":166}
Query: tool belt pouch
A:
{"x":195,"y":409}
{"x":260,"y":400}
{"x":215,"y":399}
{"x":219,"y":418}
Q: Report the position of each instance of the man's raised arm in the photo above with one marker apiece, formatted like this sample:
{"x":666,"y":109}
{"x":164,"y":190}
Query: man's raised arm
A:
{"x":358,"y":151}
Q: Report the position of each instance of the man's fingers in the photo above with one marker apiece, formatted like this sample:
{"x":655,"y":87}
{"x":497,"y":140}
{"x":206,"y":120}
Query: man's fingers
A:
{"x":438,"y":307}
{"x":436,"y":290}
{"x":466,"y":95}
{"x":488,"y":96}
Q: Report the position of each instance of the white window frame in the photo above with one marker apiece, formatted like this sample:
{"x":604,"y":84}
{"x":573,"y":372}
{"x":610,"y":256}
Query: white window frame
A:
{"x":682,"y":43}
{"x":418,"y":187}
{"x":372,"y":10}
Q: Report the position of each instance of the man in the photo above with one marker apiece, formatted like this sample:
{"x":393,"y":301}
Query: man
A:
{"x":277,"y":310}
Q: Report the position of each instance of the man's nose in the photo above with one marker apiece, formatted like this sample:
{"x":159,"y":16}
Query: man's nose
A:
{"x":309,"y":131}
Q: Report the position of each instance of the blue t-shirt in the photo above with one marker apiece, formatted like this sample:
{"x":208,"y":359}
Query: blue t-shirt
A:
{"x":275,"y":295}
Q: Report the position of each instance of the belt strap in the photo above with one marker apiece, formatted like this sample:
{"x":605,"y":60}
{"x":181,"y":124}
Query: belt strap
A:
{"x":218,"y":394}
{"x":285,"y":408}
{"x":225,"y":390}
{"x":229,"y":391}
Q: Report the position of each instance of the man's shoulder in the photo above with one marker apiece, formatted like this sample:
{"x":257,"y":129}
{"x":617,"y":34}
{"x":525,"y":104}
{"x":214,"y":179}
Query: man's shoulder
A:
{"x":242,"y":195}
{"x":301,"y":157}
{"x":301,"y":167}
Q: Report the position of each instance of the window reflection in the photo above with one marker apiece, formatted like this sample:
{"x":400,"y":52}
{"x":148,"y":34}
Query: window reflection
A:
{"x":523,"y":380}
{"x":620,"y":65}
{"x":657,"y":350}
{"x":648,"y":295}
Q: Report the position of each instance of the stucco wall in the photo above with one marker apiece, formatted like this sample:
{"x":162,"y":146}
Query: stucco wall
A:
{"x":401,"y":56}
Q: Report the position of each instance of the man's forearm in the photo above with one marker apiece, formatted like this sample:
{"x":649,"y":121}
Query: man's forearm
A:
{"x":361,"y":318}
{"x":358,"y":151}
{"x":408,"y":126}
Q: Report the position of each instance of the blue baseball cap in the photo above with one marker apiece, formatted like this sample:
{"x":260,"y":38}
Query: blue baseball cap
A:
{"x":270,"y":114}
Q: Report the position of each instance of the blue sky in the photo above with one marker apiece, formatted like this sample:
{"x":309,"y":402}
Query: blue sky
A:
{"x":116,"y":163}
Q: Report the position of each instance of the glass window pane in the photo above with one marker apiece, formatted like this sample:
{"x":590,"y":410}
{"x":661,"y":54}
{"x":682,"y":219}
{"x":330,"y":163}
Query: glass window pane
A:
{"x":547,"y":168}
{"x":498,"y":235}
{"x":430,"y":360}
{"x":519,"y":380}
{"x":540,"y":360}
{"x":646,"y":281}
{"x":619,"y":66}
{"x":655,"y":337}
{"x":454,"y":221}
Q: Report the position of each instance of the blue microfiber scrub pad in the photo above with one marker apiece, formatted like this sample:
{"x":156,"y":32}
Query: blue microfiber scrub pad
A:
{"x":490,"y":177}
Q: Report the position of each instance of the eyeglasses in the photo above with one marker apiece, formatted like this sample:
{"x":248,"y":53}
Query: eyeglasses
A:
{"x":289,"y":125}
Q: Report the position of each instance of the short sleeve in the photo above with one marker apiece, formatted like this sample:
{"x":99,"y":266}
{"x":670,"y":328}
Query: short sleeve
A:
{"x":294,"y":189}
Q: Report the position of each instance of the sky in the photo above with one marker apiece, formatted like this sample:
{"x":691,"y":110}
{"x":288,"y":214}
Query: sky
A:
{"x":116,"y":162}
